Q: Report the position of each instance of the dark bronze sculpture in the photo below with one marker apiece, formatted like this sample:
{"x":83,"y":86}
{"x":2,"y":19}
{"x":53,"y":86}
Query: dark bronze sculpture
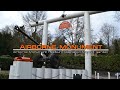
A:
{"x":50,"y":60}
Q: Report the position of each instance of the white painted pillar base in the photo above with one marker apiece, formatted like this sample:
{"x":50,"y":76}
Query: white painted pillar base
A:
{"x":40,"y":73}
{"x":85,"y":74}
{"x":11,"y":73}
{"x":34,"y":71}
{"x":21,"y":70}
{"x":62,"y":73}
{"x":68,"y":73}
{"x":48,"y":73}
{"x":55,"y":73}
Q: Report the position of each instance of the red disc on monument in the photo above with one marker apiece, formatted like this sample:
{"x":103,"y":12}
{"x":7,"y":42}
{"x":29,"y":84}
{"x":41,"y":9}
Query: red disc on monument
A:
{"x":65,"y":25}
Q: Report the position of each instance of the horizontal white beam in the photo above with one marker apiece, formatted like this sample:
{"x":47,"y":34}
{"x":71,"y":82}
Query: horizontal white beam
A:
{"x":65,"y":18}
{"x":64,"y":49}
{"x":97,"y":50}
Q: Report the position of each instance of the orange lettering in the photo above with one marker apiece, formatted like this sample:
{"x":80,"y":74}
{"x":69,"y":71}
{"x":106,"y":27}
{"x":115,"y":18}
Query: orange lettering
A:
{"x":53,"y":46}
{"x":33,"y":46}
{"x":95,"y":47}
{"x":63,"y":47}
{"x":82,"y":46}
{"x":28,"y":46}
{"x":44,"y":46}
{"x":88,"y":47}
{"x":74,"y":47}
{"x":38,"y":46}
{"x":22,"y":47}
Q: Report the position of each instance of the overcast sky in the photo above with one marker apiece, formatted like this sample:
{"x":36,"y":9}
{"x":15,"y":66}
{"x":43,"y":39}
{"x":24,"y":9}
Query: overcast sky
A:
{"x":97,"y":20}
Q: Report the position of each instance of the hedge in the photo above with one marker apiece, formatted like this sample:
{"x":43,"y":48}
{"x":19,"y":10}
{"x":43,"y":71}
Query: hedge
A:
{"x":69,"y":61}
{"x":4,"y":76}
{"x":5,"y":63}
{"x":101,"y":63}
{"x":106,"y":63}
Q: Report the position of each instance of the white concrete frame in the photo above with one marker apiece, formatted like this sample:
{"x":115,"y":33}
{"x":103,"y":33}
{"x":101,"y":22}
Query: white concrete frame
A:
{"x":86,"y":15}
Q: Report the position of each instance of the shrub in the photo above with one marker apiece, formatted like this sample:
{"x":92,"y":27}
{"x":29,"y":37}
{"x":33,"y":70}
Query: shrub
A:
{"x":101,"y":62}
{"x":5,"y":63}
{"x":106,"y":63}
{"x":4,"y":76}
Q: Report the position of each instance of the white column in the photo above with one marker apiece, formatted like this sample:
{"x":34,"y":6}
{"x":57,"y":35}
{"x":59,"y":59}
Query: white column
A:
{"x":98,"y":76}
{"x":87,"y":42}
{"x":45,"y":34}
{"x":108,"y":75}
{"x":117,"y":76}
{"x":75,"y":39}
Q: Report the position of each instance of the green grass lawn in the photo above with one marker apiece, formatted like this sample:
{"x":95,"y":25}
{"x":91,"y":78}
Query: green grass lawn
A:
{"x":4,"y":74}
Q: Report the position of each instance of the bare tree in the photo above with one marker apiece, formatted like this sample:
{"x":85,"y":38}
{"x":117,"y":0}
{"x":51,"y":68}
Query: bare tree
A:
{"x":34,"y":16}
{"x":108,"y":33}
{"x":74,"y":34}
{"x":117,"y":16}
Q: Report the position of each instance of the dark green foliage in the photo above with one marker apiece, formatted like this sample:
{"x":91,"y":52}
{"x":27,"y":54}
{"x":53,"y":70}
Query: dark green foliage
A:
{"x":69,"y":61}
{"x":4,"y":76}
{"x":5,"y":43}
{"x":106,"y":63}
{"x":5,"y":63}
{"x":101,"y":63}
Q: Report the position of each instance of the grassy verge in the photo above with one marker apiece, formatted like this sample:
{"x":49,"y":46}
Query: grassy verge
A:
{"x":4,"y":74}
